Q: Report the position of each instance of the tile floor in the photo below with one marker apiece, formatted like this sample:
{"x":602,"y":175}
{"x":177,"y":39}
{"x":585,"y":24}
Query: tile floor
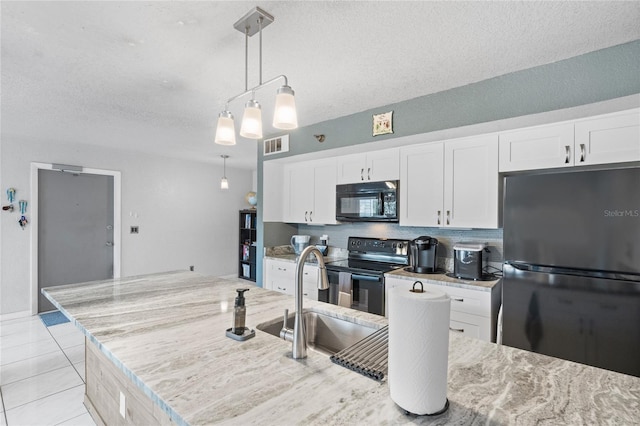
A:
{"x":41,"y":374}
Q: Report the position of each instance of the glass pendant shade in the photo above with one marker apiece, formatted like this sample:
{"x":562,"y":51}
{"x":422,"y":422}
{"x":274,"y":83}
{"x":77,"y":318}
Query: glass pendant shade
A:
{"x":252,"y":121}
{"x":285,"y":115}
{"x":224,"y":183}
{"x":225,"y":131}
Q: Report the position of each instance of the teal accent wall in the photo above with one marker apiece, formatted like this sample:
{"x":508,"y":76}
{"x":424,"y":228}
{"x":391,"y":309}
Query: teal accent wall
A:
{"x":593,"y":77}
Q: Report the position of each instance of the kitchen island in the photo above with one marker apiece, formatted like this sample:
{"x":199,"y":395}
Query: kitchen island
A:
{"x":164,"y":335}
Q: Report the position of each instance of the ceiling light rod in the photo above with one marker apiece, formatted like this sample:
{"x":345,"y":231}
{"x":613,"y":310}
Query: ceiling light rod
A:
{"x":285,"y":115}
{"x":258,"y":87}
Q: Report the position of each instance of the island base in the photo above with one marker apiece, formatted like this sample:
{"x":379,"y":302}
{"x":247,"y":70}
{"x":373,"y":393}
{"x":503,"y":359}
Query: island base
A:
{"x":112,"y":399}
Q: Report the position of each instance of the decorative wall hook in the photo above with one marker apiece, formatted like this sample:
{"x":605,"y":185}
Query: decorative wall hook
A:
{"x":8,"y":208}
{"x":320,"y":138}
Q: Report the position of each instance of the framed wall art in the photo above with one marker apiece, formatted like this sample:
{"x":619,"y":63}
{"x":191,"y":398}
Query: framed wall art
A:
{"x":383,"y":123}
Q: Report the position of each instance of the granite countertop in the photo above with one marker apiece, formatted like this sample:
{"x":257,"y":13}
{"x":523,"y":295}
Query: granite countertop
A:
{"x":443,"y":279}
{"x":166,"y":332}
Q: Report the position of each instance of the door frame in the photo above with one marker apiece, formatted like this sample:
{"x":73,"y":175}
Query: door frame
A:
{"x":117,"y":225}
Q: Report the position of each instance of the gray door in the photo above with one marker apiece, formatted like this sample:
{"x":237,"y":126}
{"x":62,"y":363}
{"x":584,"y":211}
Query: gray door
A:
{"x":75,"y":229}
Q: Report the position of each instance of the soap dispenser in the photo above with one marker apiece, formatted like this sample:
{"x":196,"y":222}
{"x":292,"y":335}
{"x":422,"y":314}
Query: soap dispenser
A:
{"x":239,"y":313}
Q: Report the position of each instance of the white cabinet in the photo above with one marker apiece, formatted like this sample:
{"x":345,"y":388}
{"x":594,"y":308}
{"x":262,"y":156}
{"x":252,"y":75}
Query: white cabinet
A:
{"x":281,"y":276}
{"x":373,"y":166}
{"x":473,"y":312}
{"x":611,"y":138}
{"x":450,"y":184}
{"x":471,"y":182}
{"x":309,"y":189}
{"x":422,"y":185}
{"x":537,"y":148}
{"x":608,"y":139}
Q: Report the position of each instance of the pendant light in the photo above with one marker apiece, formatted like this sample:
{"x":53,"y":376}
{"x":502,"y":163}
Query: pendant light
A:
{"x":225,"y":132}
{"x":224,"y":183}
{"x":285,"y":115}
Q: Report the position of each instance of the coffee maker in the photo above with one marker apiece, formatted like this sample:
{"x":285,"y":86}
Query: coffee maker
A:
{"x":423,"y":255}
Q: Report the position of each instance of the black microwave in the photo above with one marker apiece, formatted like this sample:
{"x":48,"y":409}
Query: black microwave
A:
{"x":367,"y":202}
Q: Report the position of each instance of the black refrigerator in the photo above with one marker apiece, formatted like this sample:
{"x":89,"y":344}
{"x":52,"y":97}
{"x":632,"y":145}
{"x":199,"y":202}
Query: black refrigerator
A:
{"x":571,"y":284}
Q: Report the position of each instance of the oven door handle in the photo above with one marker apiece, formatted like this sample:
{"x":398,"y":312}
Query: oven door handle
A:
{"x":366,"y":277}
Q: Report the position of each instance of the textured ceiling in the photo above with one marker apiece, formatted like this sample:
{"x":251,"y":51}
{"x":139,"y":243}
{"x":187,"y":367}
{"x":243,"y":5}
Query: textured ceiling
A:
{"x":152,"y":76}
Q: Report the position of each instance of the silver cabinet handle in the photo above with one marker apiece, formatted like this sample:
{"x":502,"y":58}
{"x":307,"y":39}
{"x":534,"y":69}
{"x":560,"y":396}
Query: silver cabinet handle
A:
{"x":459,"y":300}
{"x":458,"y":330}
{"x":361,"y":174}
{"x":369,"y":173}
{"x":568,"y":154}
{"x":448,"y":217}
{"x":305,"y":216}
{"x":582,"y":152}
{"x":438,"y":217}
{"x":109,"y":244}
{"x":310,"y":216}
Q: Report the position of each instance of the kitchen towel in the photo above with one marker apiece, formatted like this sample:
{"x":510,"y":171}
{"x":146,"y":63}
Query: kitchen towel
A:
{"x":344,"y":289}
{"x":418,"y":349}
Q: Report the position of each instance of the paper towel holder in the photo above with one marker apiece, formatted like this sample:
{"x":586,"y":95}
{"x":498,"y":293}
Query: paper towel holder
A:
{"x":420,"y":290}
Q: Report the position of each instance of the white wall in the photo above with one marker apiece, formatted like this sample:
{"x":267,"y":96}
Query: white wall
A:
{"x":184,"y":217}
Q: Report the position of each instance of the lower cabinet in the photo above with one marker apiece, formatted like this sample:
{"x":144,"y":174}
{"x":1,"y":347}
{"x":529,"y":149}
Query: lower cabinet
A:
{"x":473,"y":312}
{"x":280,"y":276}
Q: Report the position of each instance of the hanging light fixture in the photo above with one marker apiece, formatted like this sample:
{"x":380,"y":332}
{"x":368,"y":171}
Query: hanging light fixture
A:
{"x":224,"y":183}
{"x":285,"y":115}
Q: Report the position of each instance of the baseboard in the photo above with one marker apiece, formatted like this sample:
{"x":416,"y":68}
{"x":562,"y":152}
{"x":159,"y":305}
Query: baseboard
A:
{"x":15,"y":315}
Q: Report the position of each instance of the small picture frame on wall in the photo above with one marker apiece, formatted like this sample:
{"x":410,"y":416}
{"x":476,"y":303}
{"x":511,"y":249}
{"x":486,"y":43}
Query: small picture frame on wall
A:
{"x":383,"y":123}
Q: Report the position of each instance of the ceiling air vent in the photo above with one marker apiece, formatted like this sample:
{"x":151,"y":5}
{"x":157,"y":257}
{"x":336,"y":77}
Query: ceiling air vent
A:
{"x":276,"y":145}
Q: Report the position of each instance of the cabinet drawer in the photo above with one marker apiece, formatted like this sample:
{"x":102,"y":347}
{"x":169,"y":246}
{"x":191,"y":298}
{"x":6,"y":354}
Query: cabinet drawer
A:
{"x":470,"y":325}
{"x":467,"y":301}
{"x":469,"y":330}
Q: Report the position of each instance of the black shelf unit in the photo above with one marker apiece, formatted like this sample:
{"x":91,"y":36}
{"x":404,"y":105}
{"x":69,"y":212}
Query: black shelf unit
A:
{"x":247,"y":251}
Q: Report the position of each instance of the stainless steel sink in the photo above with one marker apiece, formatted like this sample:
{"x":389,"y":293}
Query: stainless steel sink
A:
{"x":325,"y":334}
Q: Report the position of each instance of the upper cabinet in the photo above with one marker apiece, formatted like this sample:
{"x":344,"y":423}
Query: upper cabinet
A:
{"x":450,"y":184}
{"x":373,"y":166}
{"x":309,"y":192}
{"x":422,"y":185}
{"x":612,"y":138}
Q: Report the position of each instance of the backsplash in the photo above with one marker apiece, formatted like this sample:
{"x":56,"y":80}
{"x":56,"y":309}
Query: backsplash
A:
{"x":339,"y":235}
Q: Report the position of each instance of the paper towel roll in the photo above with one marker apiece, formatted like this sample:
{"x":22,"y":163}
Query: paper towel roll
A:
{"x":418,"y":349}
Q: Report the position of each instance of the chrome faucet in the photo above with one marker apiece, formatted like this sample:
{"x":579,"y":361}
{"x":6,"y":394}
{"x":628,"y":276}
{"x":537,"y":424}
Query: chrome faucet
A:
{"x":298,"y":335}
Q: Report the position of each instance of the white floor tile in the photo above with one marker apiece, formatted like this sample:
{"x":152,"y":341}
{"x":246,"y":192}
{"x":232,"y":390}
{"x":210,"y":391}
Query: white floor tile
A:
{"x":38,"y":387}
{"x":30,"y":335}
{"x":51,"y":410}
{"x":63,"y":329}
{"x":26,"y":351}
{"x":68,"y":340}
{"x":20,"y":325}
{"x":80,"y":369}
{"x":83,"y":420}
{"x":21,"y":370}
{"x":75,"y":353}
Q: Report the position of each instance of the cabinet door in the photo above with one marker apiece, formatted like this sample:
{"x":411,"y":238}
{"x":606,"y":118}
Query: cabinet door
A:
{"x":324,"y":200}
{"x":310,"y":282}
{"x":422,"y":185}
{"x":279,"y":276}
{"x":299,"y":193}
{"x":351,"y":168}
{"x":537,"y":148}
{"x":471,"y":182}
{"x":383,"y":165}
{"x":611,"y":139}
